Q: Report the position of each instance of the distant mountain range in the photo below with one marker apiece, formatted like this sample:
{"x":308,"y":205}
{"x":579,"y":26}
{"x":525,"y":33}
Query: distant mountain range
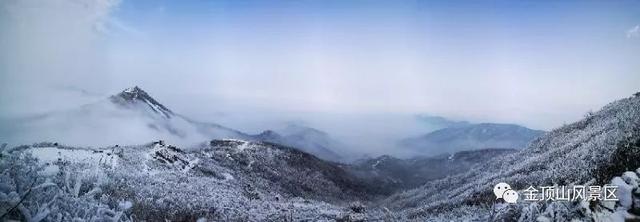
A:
{"x":304,"y":138}
{"x":133,"y":117}
{"x":393,"y":174}
{"x":459,"y":136}
{"x":438,"y":122}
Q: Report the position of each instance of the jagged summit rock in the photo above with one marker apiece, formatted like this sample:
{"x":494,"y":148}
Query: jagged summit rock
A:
{"x":136,"y":96}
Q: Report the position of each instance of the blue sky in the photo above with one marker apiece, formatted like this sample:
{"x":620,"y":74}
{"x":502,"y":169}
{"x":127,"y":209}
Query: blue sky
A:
{"x":537,"y":63}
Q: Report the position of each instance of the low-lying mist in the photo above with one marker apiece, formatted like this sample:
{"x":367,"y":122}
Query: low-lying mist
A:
{"x":104,"y":124}
{"x":360,"y":134}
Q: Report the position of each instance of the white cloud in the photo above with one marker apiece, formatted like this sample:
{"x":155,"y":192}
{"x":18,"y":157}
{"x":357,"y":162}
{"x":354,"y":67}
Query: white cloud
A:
{"x":634,"y":32}
{"x":51,"y":43}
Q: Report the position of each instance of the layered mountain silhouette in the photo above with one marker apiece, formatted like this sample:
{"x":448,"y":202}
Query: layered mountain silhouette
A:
{"x":304,"y":138}
{"x":465,"y":136}
{"x":438,"y":122}
{"x":133,"y":116}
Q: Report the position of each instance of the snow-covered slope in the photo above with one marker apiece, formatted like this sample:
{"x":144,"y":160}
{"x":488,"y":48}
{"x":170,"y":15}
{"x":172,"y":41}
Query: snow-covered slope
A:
{"x":287,"y":169}
{"x":472,"y":136}
{"x":221,"y":180}
{"x":595,"y":149}
{"x":626,"y":208}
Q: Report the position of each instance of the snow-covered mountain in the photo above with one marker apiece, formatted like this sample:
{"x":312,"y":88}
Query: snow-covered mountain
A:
{"x":591,"y":151}
{"x":138,"y":100}
{"x":466,"y":136}
{"x":129,"y":117}
{"x":255,"y":180}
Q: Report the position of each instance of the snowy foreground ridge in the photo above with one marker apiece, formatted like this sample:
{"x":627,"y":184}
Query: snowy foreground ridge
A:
{"x":222,"y":180}
{"x":244,"y":180}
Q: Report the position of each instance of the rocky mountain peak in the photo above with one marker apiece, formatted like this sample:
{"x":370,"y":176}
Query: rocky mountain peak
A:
{"x":135,"y":95}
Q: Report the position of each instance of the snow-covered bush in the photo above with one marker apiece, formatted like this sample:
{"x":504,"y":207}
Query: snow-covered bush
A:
{"x":27,"y":194}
